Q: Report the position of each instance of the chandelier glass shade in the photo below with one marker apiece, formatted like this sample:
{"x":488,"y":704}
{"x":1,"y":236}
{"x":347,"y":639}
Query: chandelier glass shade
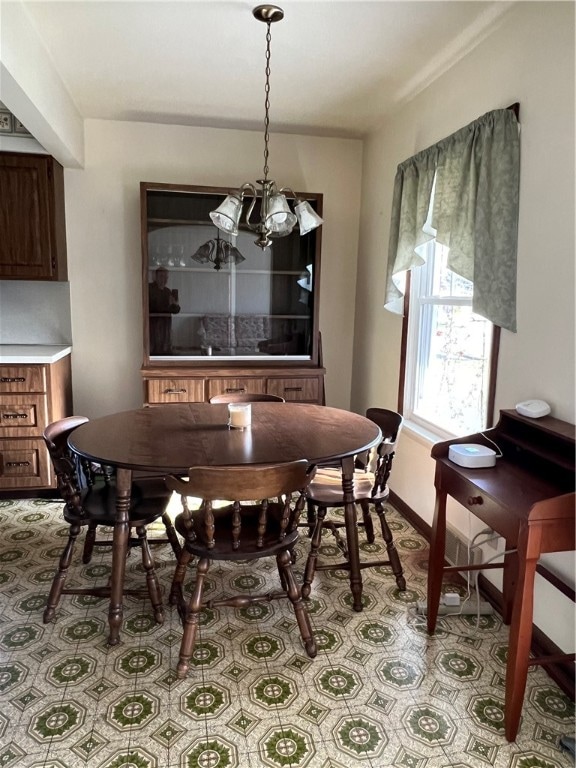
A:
{"x":276,"y":217}
{"x":217,"y":252}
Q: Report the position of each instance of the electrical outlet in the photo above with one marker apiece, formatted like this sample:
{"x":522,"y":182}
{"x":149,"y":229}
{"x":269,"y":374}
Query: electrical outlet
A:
{"x":493,"y":543}
{"x":451,"y":598}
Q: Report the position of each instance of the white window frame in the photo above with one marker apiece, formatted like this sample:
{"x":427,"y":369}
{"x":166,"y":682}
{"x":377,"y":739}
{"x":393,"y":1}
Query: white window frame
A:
{"x":421,"y":282}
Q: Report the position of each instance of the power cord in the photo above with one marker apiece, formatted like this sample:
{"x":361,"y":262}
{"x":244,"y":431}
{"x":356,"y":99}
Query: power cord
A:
{"x":498,"y":554}
{"x":499,"y":454}
{"x":491,"y":536}
{"x":416,"y":619}
{"x":448,"y":600}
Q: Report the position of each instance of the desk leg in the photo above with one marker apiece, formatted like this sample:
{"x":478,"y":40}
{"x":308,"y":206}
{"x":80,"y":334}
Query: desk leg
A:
{"x":521,"y":629}
{"x":119,"y":552}
{"x":352,"y":532}
{"x":436,"y":560}
{"x":509,"y":580}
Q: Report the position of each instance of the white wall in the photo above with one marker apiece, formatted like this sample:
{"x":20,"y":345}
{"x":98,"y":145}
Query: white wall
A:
{"x":35,"y":312}
{"x":103,"y":232}
{"x":529,"y":59}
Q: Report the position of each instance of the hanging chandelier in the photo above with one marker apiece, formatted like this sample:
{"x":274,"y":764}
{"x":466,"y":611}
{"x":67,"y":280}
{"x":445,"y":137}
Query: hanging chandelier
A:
{"x":276,"y":217}
{"x":218,"y":252}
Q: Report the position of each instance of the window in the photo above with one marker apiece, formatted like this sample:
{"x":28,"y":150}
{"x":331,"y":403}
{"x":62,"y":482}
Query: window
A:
{"x":463,"y":190}
{"x":449,"y":351}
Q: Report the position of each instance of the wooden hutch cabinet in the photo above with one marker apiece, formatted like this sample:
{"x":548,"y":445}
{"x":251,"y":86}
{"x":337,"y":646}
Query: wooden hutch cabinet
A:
{"x":32,"y":220}
{"x":223,"y":315}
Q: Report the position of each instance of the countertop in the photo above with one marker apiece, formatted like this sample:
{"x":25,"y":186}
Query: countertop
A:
{"x":19,"y":354}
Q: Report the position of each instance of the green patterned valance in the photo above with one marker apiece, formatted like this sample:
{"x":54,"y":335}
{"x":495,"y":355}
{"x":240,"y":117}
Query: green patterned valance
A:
{"x":472,"y":178}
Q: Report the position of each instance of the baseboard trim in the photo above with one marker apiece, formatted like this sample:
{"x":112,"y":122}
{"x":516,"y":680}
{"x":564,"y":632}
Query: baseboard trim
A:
{"x":30,"y":493}
{"x":542,"y":645}
{"x":415,"y":520}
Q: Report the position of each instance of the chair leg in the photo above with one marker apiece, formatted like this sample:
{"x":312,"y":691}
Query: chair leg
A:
{"x":310,"y":517}
{"x":341,"y":542}
{"x":391,"y":548}
{"x":108,"y":473}
{"x":89,"y":541}
{"x":171,"y":534}
{"x":151,"y":578}
{"x":284,"y":562}
{"x":191,"y":621}
{"x":60,"y":577}
{"x":313,"y":554}
{"x":176,"y":597}
{"x":367,"y":520}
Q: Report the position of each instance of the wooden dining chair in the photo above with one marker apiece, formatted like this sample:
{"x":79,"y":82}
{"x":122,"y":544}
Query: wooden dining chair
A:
{"x":90,"y":501}
{"x":246,"y":397}
{"x":260,"y":520}
{"x":370,"y":488}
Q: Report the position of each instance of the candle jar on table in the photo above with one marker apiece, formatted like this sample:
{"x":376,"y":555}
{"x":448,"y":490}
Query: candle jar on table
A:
{"x":239,"y":415}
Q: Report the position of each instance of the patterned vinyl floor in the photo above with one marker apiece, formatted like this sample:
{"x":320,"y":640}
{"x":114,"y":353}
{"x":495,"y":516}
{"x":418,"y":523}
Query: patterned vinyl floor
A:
{"x":380,"y":692}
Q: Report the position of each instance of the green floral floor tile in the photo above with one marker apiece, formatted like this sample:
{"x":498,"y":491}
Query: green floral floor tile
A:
{"x":286,"y":744}
{"x":356,"y":744}
{"x":482,"y":744}
{"x":380,"y":692}
{"x":15,"y":746}
{"x":115,"y":755}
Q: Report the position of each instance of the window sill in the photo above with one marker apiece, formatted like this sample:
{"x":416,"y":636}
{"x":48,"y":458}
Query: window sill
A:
{"x":421,"y":435}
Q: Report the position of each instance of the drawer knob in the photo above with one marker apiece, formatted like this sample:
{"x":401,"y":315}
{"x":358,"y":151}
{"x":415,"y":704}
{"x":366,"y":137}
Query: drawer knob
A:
{"x":180,"y":391}
{"x":475,"y":500}
{"x":232,"y":390}
{"x":17,"y":463}
{"x":292,"y":389}
{"x":14,"y":415}
{"x":12,"y":379}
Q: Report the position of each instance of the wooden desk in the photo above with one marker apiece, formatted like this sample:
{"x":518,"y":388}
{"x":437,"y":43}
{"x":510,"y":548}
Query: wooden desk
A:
{"x":171,"y":439}
{"x":528,"y":498}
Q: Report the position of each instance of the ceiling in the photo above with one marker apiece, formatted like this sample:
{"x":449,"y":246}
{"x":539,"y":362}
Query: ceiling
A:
{"x":337,"y":66}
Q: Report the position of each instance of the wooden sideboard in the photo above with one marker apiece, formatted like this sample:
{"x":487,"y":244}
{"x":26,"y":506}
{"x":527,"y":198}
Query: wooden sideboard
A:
{"x":31,"y":396}
{"x":197,"y":384}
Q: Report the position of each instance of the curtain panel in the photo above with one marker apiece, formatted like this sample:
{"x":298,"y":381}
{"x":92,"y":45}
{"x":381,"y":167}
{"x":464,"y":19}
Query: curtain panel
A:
{"x":465,"y":188}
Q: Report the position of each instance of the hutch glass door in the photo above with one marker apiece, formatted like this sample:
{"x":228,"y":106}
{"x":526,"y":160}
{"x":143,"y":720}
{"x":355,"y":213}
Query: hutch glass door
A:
{"x":211,"y":296}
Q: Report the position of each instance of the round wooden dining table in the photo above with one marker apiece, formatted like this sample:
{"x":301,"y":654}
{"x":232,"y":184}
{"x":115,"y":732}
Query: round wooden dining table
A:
{"x":170,"y":439}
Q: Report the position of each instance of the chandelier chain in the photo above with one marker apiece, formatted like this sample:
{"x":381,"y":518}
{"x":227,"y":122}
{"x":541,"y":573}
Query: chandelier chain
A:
{"x":276,"y":219}
{"x":267,"y":101}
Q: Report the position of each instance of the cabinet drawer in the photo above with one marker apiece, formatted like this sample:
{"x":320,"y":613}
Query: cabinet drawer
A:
{"x":24,"y":464}
{"x":23,"y":378}
{"x":23,"y":415}
{"x":175,"y":390}
{"x":475,"y":499}
{"x":236,"y":386}
{"x":294,"y":389}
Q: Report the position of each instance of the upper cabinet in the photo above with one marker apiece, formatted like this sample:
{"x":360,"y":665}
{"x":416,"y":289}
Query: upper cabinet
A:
{"x":32,"y":221}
